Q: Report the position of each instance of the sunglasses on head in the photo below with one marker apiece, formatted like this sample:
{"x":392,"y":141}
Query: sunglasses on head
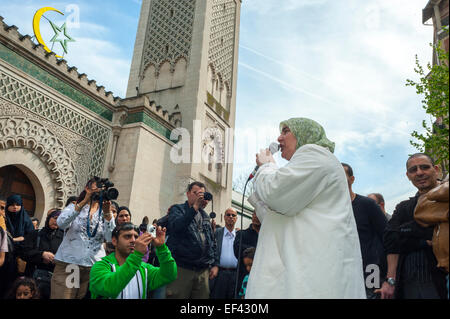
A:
{"x":230,"y":215}
{"x":423,"y":167}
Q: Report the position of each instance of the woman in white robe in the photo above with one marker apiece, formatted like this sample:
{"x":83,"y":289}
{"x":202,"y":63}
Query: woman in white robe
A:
{"x":308,"y":245}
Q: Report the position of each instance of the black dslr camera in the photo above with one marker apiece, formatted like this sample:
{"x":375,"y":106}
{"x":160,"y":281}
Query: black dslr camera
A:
{"x":207,"y":196}
{"x":108,"y":192}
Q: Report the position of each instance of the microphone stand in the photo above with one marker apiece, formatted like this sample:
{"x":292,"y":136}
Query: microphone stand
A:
{"x":236,"y":292}
{"x":274,"y":147}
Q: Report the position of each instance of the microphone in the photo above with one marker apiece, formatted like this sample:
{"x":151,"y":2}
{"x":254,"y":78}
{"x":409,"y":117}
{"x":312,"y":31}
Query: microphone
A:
{"x":273,"y":148}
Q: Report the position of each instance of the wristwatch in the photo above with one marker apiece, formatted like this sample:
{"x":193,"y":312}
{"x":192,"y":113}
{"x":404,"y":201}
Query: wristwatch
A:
{"x":391,"y":281}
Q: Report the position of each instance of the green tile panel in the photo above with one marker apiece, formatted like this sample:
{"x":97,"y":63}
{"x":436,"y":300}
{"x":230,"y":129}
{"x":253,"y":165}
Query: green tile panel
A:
{"x":214,"y":104}
{"x":45,"y":77}
{"x":150,"y":122}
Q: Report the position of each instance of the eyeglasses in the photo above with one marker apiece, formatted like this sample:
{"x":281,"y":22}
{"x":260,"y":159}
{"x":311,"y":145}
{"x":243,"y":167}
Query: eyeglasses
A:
{"x":230,"y":215}
{"x":423,"y":167}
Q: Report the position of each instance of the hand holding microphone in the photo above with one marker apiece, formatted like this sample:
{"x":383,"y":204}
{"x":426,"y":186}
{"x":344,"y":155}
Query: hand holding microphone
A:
{"x":265,"y":156}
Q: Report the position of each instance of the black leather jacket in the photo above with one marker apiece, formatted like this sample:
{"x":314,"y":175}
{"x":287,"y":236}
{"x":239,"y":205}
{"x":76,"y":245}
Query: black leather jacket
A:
{"x":184,"y":238}
{"x":405,"y":236}
{"x":49,"y":241}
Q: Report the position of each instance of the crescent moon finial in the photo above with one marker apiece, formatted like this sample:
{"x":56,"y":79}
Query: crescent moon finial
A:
{"x":37,"y":31}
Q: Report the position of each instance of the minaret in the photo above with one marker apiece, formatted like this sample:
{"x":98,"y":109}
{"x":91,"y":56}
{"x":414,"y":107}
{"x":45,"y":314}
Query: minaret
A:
{"x":185,"y":60}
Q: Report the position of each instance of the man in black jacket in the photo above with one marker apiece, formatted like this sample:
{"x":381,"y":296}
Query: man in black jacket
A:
{"x":412,"y":268}
{"x":370,"y":223}
{"x":39,"y":249}
{"x":245,"y":239}
{"x":191,"y":241}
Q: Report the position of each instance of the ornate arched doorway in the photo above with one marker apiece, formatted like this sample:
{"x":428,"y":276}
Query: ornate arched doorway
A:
{"x":14,"y":181}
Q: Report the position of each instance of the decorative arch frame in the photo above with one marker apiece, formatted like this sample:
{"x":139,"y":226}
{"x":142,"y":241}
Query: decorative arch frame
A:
{"x":27,"y":134}
{"x":142,"y":76}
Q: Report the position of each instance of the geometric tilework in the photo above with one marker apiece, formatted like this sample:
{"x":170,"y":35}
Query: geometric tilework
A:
{"x":43,"y":76}
{"x":35,"y":101}
{"x":169,"y":32}
{"x":221,"y":44}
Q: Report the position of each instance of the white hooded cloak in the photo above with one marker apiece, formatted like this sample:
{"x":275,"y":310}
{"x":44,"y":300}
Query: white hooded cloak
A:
{"x":308,"y":245}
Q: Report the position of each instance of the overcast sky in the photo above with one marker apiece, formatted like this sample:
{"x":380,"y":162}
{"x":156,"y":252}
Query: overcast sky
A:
{"x":343,"y":63}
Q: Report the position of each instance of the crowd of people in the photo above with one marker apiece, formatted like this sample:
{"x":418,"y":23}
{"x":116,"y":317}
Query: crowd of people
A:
{"x":86,"y":252}
{"x":311,"y":236}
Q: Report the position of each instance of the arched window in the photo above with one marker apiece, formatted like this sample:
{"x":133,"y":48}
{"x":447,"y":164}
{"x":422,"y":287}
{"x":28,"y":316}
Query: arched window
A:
{"x":14,"y":181}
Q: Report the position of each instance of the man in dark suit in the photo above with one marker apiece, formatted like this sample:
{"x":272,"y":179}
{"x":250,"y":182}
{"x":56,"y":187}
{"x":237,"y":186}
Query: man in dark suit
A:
{"x":222,"y":287}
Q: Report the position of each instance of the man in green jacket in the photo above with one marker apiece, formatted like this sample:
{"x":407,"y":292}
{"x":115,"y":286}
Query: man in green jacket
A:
{"x":123,"y":274}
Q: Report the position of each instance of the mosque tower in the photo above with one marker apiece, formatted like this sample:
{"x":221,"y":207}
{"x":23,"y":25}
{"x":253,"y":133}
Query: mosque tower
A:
{"x":185,"y":63}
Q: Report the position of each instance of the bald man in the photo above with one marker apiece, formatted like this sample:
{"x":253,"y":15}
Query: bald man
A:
{"x":222,"y":287}
{"x":379,"y":199}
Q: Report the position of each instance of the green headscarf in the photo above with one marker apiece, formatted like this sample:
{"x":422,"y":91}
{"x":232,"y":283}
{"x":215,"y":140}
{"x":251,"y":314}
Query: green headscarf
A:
{"x":307,"y":131}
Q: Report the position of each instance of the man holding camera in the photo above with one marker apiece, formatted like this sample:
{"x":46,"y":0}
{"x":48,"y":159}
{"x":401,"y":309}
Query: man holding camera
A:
{"x":87,"y":224}
{"x":123,"y":274}
{"x":193,"y":246}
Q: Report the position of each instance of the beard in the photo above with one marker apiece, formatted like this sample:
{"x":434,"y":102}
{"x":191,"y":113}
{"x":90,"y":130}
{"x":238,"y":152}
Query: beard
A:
{"x":125,"y":251}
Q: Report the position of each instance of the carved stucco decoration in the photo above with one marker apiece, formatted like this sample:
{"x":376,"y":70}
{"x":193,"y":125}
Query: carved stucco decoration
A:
{"x":85,"y":139}
{"x":58,"y":148}
{"x":20,"y":132}
{"x":212,"y":145}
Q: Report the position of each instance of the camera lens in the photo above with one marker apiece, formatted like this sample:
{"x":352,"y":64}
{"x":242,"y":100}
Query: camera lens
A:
{"x":112,"y":194}
{"x":207,"y":196}
{"x":109,"y":184}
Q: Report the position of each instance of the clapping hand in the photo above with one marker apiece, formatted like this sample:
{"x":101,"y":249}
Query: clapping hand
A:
{"x":141,"y":244}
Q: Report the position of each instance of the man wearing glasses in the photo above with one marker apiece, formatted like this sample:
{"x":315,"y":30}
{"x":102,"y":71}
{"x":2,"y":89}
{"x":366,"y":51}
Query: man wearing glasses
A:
{"x":412,"y":271}
{"x":222,"y":287}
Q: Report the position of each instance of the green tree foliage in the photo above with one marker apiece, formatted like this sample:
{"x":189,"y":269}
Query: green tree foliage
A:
{"x":435,"y":87}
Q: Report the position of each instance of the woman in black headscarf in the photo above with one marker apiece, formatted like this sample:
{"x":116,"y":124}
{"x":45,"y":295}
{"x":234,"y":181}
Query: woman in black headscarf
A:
{"x":18,"y":223}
